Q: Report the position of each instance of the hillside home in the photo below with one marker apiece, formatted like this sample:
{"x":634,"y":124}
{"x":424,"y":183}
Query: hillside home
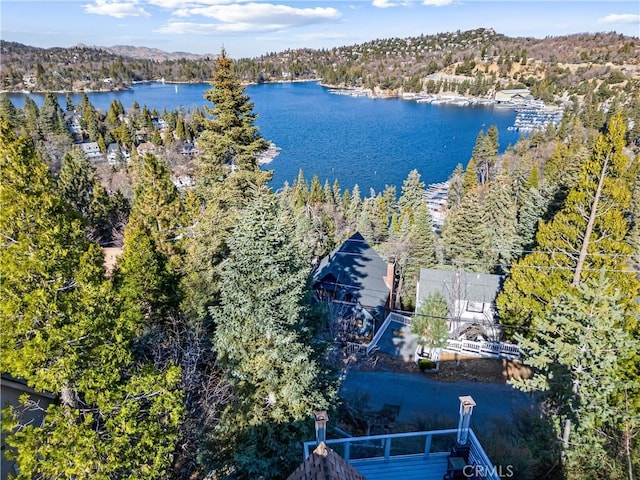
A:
{"x":356,"y":278}
{"x":91,"y":150}
{"x":116,"y":152}
{"x":471,"y":298}
{"x":146,"y":147}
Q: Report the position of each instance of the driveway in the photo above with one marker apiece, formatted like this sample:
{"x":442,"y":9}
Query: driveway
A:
{"x":417,"y":395}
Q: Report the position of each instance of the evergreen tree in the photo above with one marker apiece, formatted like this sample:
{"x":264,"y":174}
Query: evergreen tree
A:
{"x":580,"y":352}
{"x":412,"y":193}
{"x":470,"y":179}
{"x":8,"y":112}
{"x":456,"y":187}
{"x":354,"y":204}
{"x":31,"y":118}
{"x":45,"y":244}
{"x":328,"y":193}
{"x":76,"y":181}
{"x":115,"y":417}
{"x":420,"y":253}
{"x":156,"y":201}
{"x":467,"y":236}
{"x":529,"y":215}
{"x":316,"y":194}
{"x":587,"y":235}
{"x":260,"y":340}
{"x":430,"y":322}
{"x":502,"y":217}
{"x":337,"y":196}
{"x":226,"y":176}
{"x":230,"y":139}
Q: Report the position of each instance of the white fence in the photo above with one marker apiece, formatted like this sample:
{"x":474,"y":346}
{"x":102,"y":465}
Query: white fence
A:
{"x":482,"y":349}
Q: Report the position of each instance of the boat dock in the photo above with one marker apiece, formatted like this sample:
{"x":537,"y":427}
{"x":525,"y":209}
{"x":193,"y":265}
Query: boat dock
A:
{"x":536,"y":118}
{"x":436,"y":199}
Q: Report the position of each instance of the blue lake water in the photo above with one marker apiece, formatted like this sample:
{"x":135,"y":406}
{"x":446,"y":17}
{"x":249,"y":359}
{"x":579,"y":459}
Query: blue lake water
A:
{"x":371,"y":142}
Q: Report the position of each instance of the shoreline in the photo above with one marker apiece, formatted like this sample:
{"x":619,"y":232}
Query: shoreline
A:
{"x":143,"y":82}
{"x":433,"y":98}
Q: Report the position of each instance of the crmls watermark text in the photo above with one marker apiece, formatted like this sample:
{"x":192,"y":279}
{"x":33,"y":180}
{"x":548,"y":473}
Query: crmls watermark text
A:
{"x":482,"y":471}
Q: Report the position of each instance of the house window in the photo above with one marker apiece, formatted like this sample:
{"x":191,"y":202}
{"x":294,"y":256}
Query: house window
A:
{"x":475,"y":307}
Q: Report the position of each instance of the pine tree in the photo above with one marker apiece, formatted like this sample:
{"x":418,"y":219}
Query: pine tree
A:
{"x":76,"y":181}
{"x":156,"y":201}
{"x":8,"y":112}
{"x":412,"y":193}
{"x":502,"y":217}
{"x":116,"y":416}
{"x":456,"y":187}
{"x":467,"y":235}
{"x":580,"y":352}
{"x":261,"y":337}
{"x":354,"y":204}
{"x":529,"y":215}
{"x":420,"y":253}
{"x":470,"y":179}
{"x":230,"y":139}
{"x":587,"y":235}
{"x":316,"y":194}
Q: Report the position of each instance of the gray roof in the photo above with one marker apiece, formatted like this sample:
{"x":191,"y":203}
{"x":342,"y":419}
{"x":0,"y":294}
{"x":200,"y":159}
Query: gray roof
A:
{"x":356,"y":268}
{"x":457,"y":285}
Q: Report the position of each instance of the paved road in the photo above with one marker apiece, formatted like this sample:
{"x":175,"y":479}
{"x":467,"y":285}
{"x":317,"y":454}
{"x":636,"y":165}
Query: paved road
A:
{"x":418,"y":395}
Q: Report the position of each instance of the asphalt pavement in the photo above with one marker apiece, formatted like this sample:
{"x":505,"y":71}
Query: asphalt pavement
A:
{"x":418,"y":395}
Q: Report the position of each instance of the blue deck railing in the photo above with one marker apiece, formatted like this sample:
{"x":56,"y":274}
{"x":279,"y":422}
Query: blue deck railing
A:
{"x":393,"y":445}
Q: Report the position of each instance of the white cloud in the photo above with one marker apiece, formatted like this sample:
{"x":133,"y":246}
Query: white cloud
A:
{"x":388,"y":3}
{"x":179,"y":28}
{"x":117,"y":9}
{"x":620,"y":18}
{"x":263,"y":16}
{"x":171,"y":4}
{"x":437,"y":3}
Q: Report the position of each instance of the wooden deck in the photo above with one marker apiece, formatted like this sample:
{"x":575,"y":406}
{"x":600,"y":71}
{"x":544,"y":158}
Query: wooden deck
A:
{"x":410,"y":467}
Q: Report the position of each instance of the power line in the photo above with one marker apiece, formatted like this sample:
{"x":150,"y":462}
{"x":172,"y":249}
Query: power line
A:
{"x":511,"y":266}
{"x":511,"y":250}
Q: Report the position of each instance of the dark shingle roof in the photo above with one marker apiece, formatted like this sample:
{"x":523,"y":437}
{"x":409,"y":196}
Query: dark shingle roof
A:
{"x":356,"y":267}
{"x":325,"y":464}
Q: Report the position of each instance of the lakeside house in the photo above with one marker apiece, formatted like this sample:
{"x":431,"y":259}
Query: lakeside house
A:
{"x":357,"y":284}
{"x":513,"y":97}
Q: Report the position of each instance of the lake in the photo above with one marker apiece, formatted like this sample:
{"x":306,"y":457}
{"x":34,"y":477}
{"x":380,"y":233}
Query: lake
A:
{"x":371,"y":142}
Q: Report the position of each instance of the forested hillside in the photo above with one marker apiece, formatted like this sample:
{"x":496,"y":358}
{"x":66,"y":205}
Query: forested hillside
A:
{"x":475,"y":62}
{"x":203,"y":353}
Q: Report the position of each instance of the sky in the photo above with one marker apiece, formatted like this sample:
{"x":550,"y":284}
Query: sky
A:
{"x":250,"y":28}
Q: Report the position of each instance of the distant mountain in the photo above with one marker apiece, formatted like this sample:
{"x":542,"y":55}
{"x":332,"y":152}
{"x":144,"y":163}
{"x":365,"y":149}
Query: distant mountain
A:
{"x":155,"y":54}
